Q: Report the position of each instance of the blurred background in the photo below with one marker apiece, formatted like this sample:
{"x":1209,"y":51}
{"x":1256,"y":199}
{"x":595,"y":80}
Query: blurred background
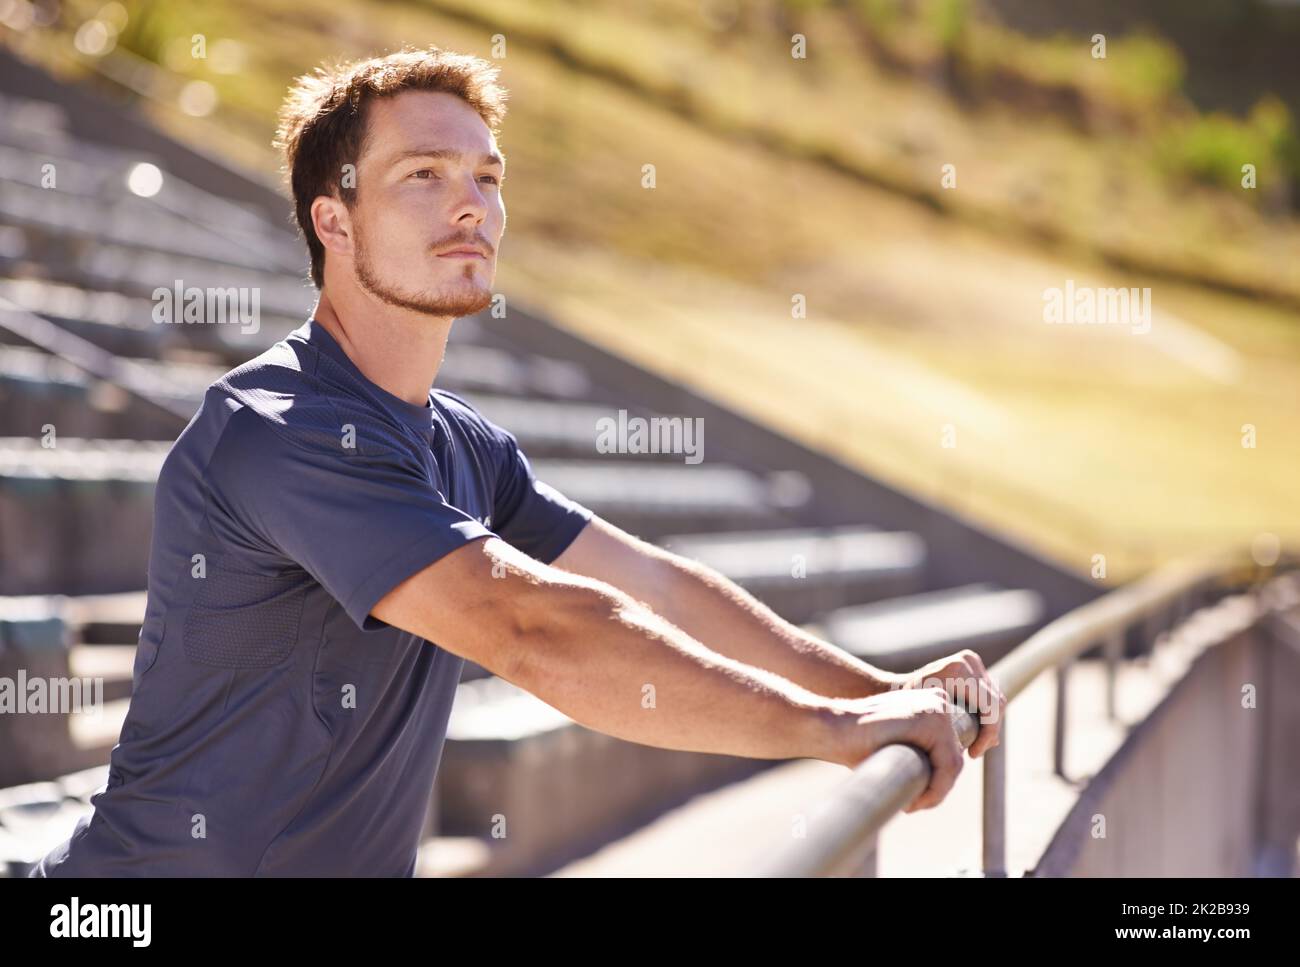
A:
{"x":856,"y":209}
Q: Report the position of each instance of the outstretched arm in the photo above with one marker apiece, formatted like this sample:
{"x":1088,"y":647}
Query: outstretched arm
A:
{"x":726,"y":618}
{"x":606,"y":661}
{"x":611,"y":664}
{"x":715,"y":610}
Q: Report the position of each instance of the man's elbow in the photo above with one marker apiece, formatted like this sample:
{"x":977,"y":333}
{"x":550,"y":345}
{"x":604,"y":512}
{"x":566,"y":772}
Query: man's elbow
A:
{"x":492,"y":605}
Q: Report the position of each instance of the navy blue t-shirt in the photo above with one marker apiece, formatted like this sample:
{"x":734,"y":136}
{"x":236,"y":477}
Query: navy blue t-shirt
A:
{"x":276,"y":728}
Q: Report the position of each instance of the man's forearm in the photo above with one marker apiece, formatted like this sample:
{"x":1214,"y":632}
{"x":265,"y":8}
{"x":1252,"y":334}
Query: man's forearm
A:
{"x":714,"y":610}
{"x":614,"y":666}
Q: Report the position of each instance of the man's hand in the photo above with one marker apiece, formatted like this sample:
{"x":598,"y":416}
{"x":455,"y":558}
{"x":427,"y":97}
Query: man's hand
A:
{"x":920,"y":717}
{"x":964,"y":678}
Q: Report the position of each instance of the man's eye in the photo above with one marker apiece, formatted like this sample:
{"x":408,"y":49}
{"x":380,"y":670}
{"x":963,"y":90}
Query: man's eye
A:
{"x":494,"y":178}
{"x":424,"y":174}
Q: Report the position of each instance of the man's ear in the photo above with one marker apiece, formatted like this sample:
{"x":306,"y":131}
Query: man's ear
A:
{"x":333,"y":224}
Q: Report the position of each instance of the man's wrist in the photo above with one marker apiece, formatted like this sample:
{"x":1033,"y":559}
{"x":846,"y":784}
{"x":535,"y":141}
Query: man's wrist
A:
{"x":867,"y":682}
{"x":888,"y":681}
{"x":852,"y":676}
{"x":826,"y":723}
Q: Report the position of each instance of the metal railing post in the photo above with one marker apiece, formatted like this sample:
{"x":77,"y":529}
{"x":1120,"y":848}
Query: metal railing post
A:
{"x":1058,"y":744}
{"x":1114,"y":648}
{"x":995,"y":806}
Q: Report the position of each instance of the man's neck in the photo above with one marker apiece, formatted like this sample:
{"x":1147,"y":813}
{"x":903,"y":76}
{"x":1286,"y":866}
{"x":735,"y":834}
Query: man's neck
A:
{"x":398,"y":350}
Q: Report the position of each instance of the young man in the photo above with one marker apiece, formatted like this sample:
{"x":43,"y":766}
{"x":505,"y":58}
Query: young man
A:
{"x":333,"y":538}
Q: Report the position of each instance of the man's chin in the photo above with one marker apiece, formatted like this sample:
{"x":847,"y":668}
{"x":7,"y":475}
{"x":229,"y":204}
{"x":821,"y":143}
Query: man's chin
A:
{"x":477,"y":304}
{"x":455,"y":304}
{"x":475,"y":300}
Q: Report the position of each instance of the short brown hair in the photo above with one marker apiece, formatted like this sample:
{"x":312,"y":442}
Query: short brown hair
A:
{"x":322,"y":123}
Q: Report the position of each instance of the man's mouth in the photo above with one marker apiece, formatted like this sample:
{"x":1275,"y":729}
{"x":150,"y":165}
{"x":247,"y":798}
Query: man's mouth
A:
{"x":469,"y":250}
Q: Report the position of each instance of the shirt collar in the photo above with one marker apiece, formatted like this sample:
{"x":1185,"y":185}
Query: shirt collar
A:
{"x":426,"y":419}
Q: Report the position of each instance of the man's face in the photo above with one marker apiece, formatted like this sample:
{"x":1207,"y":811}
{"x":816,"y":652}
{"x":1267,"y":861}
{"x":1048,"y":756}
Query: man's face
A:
{"x":428,"y":180}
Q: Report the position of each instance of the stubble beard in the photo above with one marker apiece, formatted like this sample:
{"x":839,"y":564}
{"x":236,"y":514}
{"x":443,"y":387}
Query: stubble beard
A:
{"x":463,"y":301}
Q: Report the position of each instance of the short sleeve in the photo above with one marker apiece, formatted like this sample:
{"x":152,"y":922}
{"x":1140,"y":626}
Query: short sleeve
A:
{"x":359,"y":524}
{"x":529,"y":513}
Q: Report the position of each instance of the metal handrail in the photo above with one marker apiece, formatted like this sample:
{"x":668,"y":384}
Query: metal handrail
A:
{"x":842,"y":829}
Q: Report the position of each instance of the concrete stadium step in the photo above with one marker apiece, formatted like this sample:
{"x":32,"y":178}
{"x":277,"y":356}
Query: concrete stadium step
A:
{"x":445,"y":857}
{"x":113,"y":664}
{"x":469,"y":368}
{"x":653,"y":499}
{"x":76,"y":518}
{"x":95,"y":231}
{"x":94,"y":202}
{"x":554,"y":428}
{"x":89,"y":212}
{"x":34,"y":818}
{"x":39,"y":390}
{"x":66,"y":722}
{"x":124,"y":325}
{"x":106,"y":619}
{"x":540,"y":789}
{"x":38,"y":132}
{"x":100,"y":633}
{"x":904,"y":633}
{"x":139,"y":271}
{"x":804,"y":572}
{"x":117,"y":323}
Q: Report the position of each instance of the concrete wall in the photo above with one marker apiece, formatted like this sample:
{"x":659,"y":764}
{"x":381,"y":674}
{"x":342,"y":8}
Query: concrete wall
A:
{"x":1203,"y":787}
